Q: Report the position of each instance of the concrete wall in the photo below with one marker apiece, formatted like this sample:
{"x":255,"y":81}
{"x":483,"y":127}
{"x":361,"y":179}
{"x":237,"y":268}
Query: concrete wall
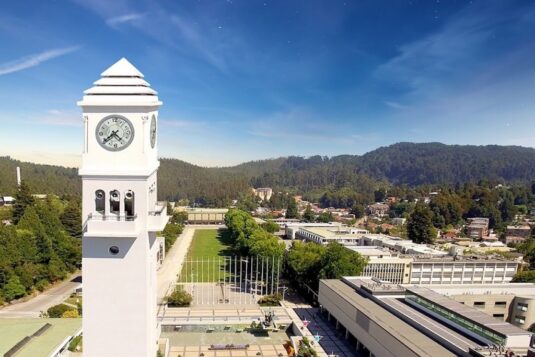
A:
{"x":523,"y":309}
{"x":377,"y":340}
{"x":493,"y":304}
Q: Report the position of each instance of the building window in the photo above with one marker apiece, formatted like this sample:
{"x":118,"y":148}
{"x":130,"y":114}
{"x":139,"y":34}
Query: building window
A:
{"x":115,"y":205}
{"x":500,"y":303}
{"x":129,"y":203}
{"x":520,"y":319}
{"x":100,"y":201}
{"x":522,"y":307}
{"x":480,"y":304}
{"x":114,"y":250}
{"x":499,"y":316}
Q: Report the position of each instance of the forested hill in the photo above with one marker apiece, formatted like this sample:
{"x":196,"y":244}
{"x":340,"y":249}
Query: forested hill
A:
{"x":42,"y":178}
{"x":402,"y":163}
{"x":405,"y":163}
{"x":416,"y":164}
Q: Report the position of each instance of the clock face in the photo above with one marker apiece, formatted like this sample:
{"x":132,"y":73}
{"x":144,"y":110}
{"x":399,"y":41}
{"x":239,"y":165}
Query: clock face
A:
{"x":114,"y":133}
{"x":153,"y":131}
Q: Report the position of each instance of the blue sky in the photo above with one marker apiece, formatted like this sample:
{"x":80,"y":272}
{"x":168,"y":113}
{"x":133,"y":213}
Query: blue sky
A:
{"x":245,"y":80}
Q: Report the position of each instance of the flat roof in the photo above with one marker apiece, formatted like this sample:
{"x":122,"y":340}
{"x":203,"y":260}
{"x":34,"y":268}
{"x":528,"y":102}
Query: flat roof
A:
{"x":428,"y":324}
{"x":368,"y":250}
{"x":476,"y":316}
{"x":405,"y":333}
{"x":342,"y":233}
{"x":14,"y":330}
{"x":206,"y":210}
{"x":512,"y":289}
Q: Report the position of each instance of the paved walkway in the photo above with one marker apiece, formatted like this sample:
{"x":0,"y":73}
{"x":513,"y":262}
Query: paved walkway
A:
{"x":53,"y":296}
{"x":175,"y":257}
{"x":332,"y":341}
{"x":172,"y":264}
{"x":224,"y":315}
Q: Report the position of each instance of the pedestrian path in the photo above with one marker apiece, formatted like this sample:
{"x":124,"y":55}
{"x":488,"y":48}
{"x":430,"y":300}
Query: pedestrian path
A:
{"x":172,"y":264}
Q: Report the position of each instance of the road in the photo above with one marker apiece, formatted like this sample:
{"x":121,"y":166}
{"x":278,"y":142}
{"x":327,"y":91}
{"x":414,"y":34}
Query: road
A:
{"x":167,"y":275}
{"x":43,"y":301}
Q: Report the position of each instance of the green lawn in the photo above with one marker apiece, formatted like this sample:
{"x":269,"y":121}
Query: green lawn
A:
{"x":206,"y":256}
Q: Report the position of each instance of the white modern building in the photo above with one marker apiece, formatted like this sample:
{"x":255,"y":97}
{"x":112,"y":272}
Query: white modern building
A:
{"x":326,"y":235}
{"x":291,"y":229}
{"x":120,"y":214}
{"x":402,"y":261}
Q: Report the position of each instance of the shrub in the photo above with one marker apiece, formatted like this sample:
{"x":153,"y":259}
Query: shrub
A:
{"x":271,"y":227}
{"x":14,"y":288}
{"x":57,"y":311}
{"x":74,"y":343}
{"x":170,"y":233}
{"x":270,"y":300}
{"x":179,"y":297}
{"x":305,"y":349}
{"x":41,"y":285}
{"x":70,"y":314}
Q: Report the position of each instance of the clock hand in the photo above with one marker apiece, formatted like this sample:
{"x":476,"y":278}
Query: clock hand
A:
{"x":113,"y":133}
{"x":117,"y":136}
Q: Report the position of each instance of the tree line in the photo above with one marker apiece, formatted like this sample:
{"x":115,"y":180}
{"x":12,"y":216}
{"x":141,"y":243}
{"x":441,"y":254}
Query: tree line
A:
{"x":41,"y":246}
{"x":304,"y":263}
{"x":339,"y":181}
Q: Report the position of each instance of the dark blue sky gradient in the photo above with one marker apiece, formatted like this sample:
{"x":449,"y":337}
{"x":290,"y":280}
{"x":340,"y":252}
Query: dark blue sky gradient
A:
{"x":245,"y":80}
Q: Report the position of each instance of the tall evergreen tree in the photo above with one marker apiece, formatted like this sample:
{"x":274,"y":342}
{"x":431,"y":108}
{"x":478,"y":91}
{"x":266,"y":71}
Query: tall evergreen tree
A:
{"x":23,"y":199}
{"x":72,"y":219}
{"x":420,"y":224}
{"x":291,"y":210}
{"x":308,"y":215}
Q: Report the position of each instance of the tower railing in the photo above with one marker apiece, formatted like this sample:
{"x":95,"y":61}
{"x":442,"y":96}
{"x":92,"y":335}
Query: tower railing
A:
{"x":111,"y":217}
{"x":160,"y":209}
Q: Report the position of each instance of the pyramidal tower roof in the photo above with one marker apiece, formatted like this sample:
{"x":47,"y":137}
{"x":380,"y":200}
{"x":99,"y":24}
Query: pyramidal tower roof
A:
{"x":120,"y":84}
{"x":122,"y":68}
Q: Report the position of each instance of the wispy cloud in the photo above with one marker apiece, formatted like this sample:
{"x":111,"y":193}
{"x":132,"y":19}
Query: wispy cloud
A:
{"x":395,"y":105}
{"x":300,"y":123}
{"x":191,"y":34}
{"x":460,"y":50}
{"x":181,"y":123}
{"x":117,"y":20}
{"x":200,"y":39}
{"x":61,"y":118}
{"x":34,"y":60}
{"x":465,"y":70}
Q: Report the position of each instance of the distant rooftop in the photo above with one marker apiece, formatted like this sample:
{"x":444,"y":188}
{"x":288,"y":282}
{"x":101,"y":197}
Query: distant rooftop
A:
{"x":14,"y":330}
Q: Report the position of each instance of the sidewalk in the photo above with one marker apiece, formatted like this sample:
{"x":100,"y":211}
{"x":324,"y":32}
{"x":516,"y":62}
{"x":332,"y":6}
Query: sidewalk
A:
{"x":172,"y":264}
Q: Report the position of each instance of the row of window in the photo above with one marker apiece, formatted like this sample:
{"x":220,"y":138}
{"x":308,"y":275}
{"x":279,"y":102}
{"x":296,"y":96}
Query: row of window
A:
{"x":115,"y":202}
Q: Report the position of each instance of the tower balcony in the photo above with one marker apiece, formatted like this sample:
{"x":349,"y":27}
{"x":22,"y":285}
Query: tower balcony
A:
{"x":157,"y":218}
{"x":99,"y":225}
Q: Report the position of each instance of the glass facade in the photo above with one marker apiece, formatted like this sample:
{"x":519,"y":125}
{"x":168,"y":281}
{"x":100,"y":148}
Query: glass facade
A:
{"x":458,"y":319}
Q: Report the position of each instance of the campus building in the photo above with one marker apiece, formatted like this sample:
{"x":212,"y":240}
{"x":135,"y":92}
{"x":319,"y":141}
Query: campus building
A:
{"x":511,"y":302}
{"x":402,"y":261}
{"x":477,"y":228}
{"x":324,"y":235}
{"x":391,"y":320}
{"x":204,"y":215}
{"x":406,"y":269}
{"x":264,"y":193}
{"x":292,"y":228}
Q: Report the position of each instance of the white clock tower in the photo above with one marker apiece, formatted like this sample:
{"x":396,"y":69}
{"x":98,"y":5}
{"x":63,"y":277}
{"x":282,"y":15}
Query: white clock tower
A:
{"x":121,"y":214}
